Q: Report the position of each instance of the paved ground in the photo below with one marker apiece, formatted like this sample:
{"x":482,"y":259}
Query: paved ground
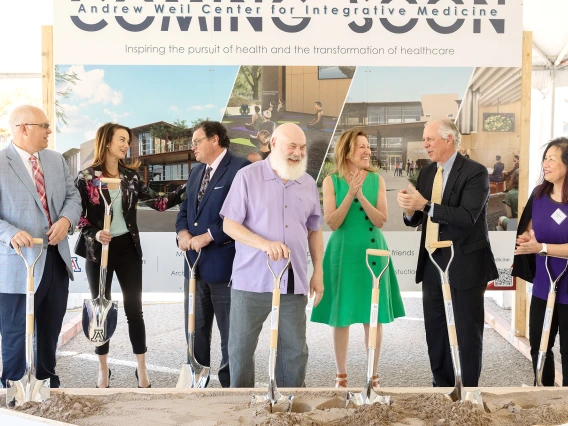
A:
{"x":404,"y":359}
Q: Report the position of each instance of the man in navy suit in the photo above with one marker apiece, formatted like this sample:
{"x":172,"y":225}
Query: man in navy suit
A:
{"x":460,"y":216}
{"x":199,"y":227}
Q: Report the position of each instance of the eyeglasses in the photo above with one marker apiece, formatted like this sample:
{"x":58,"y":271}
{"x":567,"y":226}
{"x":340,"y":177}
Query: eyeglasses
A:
{"x":42,"y":125}
{"x":197,"y":141}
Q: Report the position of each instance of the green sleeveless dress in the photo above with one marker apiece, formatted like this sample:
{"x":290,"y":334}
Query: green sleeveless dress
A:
{"x":347,"y":281}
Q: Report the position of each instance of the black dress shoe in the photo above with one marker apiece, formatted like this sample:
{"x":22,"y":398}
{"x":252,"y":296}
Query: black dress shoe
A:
{"x":141,"y":387}
{"x":109,"y":373}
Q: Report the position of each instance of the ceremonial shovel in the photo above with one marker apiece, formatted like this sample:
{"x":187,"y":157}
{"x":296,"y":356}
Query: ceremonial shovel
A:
{"x":193,"y":374}
{"x":546,"y":323}
{"x":28,"y":388}
{"x":100,"y":315}
{"x":368,"y":395}
{"x":274,"y":397}
{"x":459,"y":392}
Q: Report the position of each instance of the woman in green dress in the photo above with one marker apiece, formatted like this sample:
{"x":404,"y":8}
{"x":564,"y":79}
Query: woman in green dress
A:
{"x":355,"y":208}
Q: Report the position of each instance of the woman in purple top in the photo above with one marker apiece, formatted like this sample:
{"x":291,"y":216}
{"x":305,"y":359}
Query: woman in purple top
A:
{"x":547,"y":235}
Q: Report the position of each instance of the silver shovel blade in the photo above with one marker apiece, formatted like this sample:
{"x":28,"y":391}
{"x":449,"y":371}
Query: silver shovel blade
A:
{"x":27,"y":389}
{"x":366,"y":397}
{"x":460,"y":394}
{"x":456,"y":394}
{"x":99,"y":320}
{"x":275,"y":400}
{"x":193,"y":375}
{"x":475,"y":398}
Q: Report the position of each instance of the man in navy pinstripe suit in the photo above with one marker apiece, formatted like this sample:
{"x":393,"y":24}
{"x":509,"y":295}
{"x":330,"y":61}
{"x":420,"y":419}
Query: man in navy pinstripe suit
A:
{"x":462,"y":218}
{"x":199,"y":227}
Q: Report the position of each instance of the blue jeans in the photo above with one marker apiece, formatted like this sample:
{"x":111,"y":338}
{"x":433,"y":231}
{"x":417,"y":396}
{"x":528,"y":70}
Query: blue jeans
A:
{"x":248,"y":313}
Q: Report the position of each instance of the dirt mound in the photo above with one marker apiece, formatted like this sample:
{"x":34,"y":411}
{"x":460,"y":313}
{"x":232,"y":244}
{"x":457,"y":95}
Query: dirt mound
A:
{"x":309,"y":409}
{"x":63,"y":407}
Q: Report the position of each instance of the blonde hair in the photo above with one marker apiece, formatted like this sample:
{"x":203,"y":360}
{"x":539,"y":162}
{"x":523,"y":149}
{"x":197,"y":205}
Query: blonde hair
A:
{"x":102,"y":140}
{"x":346,"y":146}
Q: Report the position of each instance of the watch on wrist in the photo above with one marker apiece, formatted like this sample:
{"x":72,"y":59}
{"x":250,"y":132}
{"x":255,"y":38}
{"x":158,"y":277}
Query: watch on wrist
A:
{"x":543,"y":251}
{"x":427,"y":207}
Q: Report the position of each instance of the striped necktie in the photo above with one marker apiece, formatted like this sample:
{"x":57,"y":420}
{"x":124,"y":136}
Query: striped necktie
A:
{"x":40,"y":186}
{"x":433,"y":227}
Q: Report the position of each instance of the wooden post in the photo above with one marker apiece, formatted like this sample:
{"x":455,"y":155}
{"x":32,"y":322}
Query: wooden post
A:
{"x":522,"y":302}
{"x":48,"y":77}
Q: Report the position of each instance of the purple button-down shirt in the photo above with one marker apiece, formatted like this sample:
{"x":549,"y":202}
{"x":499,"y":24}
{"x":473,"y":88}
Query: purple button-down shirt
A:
{"x":277,"y":211}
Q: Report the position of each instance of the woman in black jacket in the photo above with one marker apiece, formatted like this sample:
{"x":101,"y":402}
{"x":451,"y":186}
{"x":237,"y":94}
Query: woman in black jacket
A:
{"x":112,"y":142}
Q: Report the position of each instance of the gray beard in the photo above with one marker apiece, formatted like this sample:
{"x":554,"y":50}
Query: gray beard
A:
{"x":280,"y":165}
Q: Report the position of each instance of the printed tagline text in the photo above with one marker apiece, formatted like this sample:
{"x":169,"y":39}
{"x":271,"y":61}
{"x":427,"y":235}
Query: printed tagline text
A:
{"x":218,"y":49}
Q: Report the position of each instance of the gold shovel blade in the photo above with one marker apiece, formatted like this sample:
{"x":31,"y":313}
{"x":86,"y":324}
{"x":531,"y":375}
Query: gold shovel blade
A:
{"x":27,"y":389}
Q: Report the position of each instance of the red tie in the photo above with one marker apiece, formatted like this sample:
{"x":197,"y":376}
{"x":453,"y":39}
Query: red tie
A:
{"x":40,"y":186}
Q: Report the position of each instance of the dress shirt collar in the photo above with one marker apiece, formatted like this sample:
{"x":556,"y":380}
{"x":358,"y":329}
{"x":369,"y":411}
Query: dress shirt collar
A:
{"x":449,"y":163}
{"x":24,"y":155}
{"x":215,"y":164}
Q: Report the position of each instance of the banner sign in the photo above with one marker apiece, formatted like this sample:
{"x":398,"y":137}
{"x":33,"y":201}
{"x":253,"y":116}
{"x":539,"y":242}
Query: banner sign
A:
{"x":163,"y":263}
{"x":292,"y":32}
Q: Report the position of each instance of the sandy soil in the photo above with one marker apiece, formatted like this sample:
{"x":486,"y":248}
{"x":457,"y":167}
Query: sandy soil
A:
{"x":310,"y":408}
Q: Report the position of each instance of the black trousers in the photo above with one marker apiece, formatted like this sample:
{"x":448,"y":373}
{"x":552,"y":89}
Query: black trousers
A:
{"x":558,"y":326}
{"x":123,"y":259}
{"x":50,"y":304}
{"x":211,"y":300}
{"x":469,"y":313}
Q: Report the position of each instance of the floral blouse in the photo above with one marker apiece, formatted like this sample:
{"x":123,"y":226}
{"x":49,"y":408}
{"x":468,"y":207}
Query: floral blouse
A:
{"x":133,"y":190}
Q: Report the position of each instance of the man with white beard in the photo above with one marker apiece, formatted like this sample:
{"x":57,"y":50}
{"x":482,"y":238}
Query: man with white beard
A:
{"x":273,"y":209}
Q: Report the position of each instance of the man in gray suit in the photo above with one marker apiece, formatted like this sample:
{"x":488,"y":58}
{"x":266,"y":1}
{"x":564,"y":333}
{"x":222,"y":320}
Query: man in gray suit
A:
{"x":37,"y":199}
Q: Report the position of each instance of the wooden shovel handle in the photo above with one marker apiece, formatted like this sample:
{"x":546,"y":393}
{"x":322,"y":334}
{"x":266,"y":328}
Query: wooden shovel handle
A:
{"x":109,"y":180}
{"x":274,"y":318}
{"x":30,"y":302}
{"x":547,"y":321}
{"x":440,"y":244}
{"x":104,"y":254}
{"x":377,"y":252}
{"x":449,"y":307}
{"x":374,"y":318}
{"x":191,"y":306}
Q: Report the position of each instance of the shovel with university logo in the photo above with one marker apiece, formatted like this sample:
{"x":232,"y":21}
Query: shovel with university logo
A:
{"x":28,"y":388}
{"x":100,"y":315}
